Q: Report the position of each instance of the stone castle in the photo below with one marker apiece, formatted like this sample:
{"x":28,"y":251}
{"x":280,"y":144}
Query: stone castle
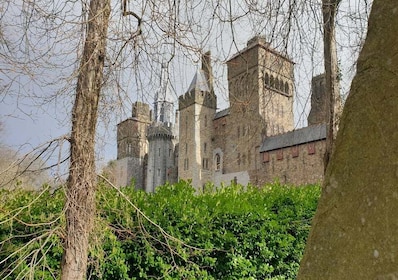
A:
{"x":252,"y":141}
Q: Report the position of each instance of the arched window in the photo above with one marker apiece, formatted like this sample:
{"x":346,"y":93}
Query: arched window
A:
{"x":277,"y":83}
{"x":218,"y":162}
{"x":286,"y":88}
{"x":266,"y":79}
{"x":272,"y":83}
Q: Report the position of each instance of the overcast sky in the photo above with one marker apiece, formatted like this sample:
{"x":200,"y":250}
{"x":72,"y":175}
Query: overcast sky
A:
{"x":27,"y":124}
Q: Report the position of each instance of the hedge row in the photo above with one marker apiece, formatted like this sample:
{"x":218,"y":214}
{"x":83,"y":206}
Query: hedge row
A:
{"x":234,"y":232}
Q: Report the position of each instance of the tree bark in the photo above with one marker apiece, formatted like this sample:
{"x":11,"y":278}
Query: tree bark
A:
{"x":80,"y":193}
{"x":354,"y":231}
{"x":329,"y":10}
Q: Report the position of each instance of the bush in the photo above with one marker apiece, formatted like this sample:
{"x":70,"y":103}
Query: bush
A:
{"x":231,"y":233}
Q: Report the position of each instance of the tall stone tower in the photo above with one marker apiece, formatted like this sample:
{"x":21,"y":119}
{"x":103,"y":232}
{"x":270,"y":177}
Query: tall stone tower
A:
{"x":132,"y":147}
{"x":197,"y":109}
{"x":318,"y":113}
{"x":260,"y":81}
{"x":162,"y":137}
{"x":319,"y":102}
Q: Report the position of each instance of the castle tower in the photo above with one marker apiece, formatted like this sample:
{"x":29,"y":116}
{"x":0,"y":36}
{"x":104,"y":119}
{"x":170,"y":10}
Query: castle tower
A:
{"x":319,"y":99}
{"x":132,"y":146}
{"x":260,"y":82}
{"x":197,"y":109}
{"x":162,"y":139}
{"x":318,"y":113}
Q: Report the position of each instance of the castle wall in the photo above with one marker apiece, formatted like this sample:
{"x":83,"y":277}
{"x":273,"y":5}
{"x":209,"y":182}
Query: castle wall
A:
{"x":297,"y":165}
{"x":129,"y":169}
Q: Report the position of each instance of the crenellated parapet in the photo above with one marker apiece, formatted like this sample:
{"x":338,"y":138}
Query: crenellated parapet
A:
{"x":141,"y":112}
{"x":193,"y":97}
{"x":161,"y":131}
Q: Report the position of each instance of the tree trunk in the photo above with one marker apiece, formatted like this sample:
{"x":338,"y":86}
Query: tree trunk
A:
{"x":80,"y":193}
{"x":329,"y":10}
{"x":354,"y":232}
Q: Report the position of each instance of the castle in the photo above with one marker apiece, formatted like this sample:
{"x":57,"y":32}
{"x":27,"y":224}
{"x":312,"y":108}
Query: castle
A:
{"x":252,"y":141}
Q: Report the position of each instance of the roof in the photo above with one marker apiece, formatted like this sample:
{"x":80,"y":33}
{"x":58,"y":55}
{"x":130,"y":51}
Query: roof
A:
{"x":222,"y":113}
{"x":296,"y":137}
{"x":199,"y":82}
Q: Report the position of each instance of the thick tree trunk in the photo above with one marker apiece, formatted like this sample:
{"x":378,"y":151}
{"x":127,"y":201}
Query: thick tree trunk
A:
{"x":80,"y":204}
{"x":329,"y":10}
{"x":354,"y":232}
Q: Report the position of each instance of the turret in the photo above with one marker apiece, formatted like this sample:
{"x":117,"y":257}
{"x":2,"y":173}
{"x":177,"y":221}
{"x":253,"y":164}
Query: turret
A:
{"x":197,"y":109}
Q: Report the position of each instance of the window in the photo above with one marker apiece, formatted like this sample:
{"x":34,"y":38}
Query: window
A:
{"x":159,"y":152}
{"x":205,"y":121}
{"x":279,"y":154}
{"x":295,"y":151}
{"x":205,"y":147}
{"x":266,"y":79}
{"x":129,"y":148}
{"x":311,"y":148}
{"x":266,"y":157}
{"x":286,"y":88}
{"x":205,"y":163}
{"x":277,"y":83}
{"x":218,"y":162}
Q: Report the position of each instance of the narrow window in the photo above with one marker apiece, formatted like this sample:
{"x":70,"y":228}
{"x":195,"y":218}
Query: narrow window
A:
{"x":266,"y":79}
{"x":266,"y":157}
{"x":129,"y":148}
{"x":205,"y":121}
{"x":286,"y":88}
{"x":295,"y":151}
{"x":311,"y":148}
{"x":205,"y":147}
{"x":218,"y":162}
{"x":279,"y":154}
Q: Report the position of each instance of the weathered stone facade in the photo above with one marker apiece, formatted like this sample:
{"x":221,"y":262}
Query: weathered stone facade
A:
{"x":132,"y":147}
{"x":234,"y":144}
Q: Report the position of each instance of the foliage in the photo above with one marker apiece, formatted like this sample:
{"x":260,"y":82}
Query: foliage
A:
{"x":233,"y":232}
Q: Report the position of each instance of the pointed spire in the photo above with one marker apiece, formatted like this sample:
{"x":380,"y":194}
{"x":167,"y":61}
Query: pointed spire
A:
{"x":163,"y":105}
{"x":199,"y":82}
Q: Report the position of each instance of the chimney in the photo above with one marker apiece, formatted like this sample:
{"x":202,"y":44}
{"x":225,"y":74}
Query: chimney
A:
{"x":206,"y":67}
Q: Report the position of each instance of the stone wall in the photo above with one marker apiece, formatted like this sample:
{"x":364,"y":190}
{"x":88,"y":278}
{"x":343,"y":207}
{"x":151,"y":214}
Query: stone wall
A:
{"x":297,"y":165}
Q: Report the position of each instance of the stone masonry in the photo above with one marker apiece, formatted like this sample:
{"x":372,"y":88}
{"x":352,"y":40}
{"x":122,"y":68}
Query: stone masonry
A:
{"x":252,"y":141}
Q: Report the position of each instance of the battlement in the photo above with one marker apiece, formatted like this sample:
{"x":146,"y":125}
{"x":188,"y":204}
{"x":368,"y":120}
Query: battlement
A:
{"x":161,"y":130}
{"x":203,"y":98}
{"x":141,"y":111}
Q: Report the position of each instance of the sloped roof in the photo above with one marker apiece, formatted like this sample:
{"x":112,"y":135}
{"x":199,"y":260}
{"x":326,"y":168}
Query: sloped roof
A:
{"x":199,"y":82}
{"x":222,"y":113}
{"x":296,"y":137}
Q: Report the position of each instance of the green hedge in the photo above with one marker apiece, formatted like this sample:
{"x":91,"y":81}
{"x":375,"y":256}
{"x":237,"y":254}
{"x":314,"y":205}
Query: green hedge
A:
{"x":230,"y":233}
